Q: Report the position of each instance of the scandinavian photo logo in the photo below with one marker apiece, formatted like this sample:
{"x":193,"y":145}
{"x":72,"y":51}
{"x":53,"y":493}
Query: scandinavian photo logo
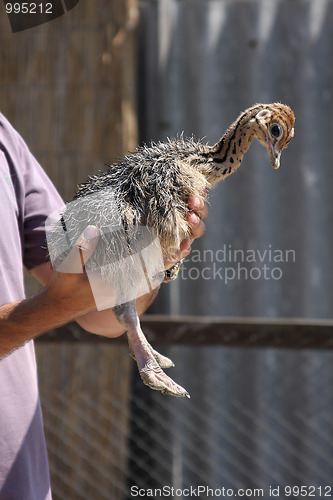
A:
{"x":229,"y":263}
{"x":26,"y":15}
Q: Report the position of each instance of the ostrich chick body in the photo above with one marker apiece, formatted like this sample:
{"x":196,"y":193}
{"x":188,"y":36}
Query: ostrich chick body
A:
{"x":151,"y":187}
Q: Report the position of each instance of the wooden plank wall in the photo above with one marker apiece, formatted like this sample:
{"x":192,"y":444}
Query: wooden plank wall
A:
{"x":69,"y":88}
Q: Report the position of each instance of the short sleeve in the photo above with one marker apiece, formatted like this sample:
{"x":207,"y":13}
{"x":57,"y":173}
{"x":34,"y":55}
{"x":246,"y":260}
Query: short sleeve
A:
{"x":41,"y":199}
{"x":36,"y":196}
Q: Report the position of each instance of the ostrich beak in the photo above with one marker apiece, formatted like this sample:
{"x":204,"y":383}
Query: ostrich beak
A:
{"x":274,"y":152}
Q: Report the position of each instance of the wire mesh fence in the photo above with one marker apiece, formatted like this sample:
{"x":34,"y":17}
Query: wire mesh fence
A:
{"x":259,"y":420}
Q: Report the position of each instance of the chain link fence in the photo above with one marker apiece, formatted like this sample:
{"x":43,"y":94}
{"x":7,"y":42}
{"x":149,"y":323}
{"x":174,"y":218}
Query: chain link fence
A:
{"x":258,"y":420}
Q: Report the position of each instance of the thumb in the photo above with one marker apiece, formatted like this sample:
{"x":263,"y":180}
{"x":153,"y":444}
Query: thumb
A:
{"x":81,"y":252}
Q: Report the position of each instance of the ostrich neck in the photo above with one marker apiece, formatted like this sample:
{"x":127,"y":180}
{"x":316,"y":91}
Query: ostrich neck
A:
{"x":226,"y":155}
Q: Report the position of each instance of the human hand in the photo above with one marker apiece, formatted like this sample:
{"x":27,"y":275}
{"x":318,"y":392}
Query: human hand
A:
{"x":198,"y":211}
{"x":69,"y":285}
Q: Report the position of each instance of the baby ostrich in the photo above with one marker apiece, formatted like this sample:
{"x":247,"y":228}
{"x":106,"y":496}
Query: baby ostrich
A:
{"x":151,"y":188}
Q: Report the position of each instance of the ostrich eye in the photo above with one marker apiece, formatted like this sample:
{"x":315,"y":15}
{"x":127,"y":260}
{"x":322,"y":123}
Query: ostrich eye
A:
{"x":276,"y":131}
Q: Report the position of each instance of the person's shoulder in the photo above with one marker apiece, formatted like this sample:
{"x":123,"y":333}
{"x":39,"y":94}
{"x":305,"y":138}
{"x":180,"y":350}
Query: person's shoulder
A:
{"x":4,"y":122}
{"x":7,"y":131}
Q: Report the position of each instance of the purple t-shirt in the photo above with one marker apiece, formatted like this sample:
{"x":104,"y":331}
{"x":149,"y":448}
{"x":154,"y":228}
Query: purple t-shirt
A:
{"x":27,"y":197}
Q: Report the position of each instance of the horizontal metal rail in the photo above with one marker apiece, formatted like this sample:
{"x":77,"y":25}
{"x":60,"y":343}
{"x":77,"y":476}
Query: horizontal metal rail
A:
{"x":205,"y":330}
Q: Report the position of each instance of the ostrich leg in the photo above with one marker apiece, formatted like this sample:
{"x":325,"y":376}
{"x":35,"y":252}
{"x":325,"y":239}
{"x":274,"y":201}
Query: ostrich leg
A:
{"x":147,"y":359}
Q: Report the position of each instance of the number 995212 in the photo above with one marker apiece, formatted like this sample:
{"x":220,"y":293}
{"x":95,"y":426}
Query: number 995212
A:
{"x":28,"y":8}
{"x":308,"y":491}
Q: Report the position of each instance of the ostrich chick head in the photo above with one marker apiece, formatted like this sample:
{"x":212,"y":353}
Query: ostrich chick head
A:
{"x":274,"y":128}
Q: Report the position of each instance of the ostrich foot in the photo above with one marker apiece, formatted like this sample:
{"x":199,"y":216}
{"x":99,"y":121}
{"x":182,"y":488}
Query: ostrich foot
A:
{"x":149,"y":368}
{"x":153,"y":376}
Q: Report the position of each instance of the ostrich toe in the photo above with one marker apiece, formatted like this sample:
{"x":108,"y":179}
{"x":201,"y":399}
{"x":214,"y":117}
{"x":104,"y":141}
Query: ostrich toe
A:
{"x":163,"y":361}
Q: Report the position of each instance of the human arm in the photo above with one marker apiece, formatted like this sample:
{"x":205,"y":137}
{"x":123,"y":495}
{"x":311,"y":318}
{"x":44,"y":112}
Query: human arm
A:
{"x":66,"y":297}
{"x":27,"y":319}
{"x":98,"y":322}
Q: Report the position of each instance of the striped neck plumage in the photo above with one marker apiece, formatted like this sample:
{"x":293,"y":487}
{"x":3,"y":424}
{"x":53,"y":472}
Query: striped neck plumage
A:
{"x":227,"y":154}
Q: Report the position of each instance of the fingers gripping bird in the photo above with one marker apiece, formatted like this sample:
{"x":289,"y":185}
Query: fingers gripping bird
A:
{"x":152,"y":186}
